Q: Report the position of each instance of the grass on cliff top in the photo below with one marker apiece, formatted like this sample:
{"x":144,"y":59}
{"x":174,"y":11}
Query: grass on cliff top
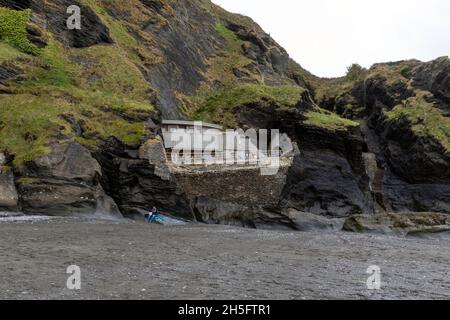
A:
{"x":235,"y":18}
{"x":393,"y":72}
{"x":425,"y":119}
{"x":331,"y":88}
{"x":328,"y":120}
{"x":28,"y":122}
{"x":13,"y":30}
{"x":132,"y":10}
{"x":220,"y":69}
{"x":100,"y":87}
{"x":217,"y":106}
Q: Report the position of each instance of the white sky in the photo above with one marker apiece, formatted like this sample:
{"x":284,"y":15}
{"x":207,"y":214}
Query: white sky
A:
{"x":326,"y":36}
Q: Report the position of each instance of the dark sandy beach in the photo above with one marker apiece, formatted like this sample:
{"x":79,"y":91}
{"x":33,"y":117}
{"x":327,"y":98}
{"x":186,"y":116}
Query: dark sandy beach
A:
{"x":128,"y":260}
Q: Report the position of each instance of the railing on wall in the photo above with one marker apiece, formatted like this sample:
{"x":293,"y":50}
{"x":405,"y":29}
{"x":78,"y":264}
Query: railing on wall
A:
{"x":228,"y":157}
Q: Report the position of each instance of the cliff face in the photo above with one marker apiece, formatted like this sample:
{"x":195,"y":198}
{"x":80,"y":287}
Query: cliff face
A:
{"x":77,"y":105}
{"x":404,"y":110}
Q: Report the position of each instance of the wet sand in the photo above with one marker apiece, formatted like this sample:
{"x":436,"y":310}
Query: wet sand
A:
{"x":127,"y":260}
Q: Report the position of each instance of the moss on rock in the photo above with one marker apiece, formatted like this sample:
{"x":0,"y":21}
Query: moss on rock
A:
{"x":218,"y":106}
{"x":99,"y":89}
{"x":328,"y":120}
{"x":13,"y":30}
{"x":425,"y":119}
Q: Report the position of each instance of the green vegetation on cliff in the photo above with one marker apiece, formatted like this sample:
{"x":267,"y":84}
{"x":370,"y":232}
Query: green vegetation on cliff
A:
{"x":84,"y":94}
{"x":222,"y":14}
{"x":13,"y":30}
{"x":328,"y":120}
{"x":8,"y":53}
{"x":135,"y":51}
{"x":92,"y":93}
{"x":218,"y":106}
{"x":425,"y":119}
{"x":223,"y":66}
{"x":401,"y":82}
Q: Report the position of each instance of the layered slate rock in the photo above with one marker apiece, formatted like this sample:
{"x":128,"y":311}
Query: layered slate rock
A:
{"x":8,"y":72}
{"x":328,"y":176}
{"x":393,"y":101}
{"x":65,"y":181}
{"x":136,"y":181}
{"x":53,"y":15}
{"x":182,"y":51}
{"x":16,"y":4}
{"x":305,"y":221}
{"x":409,"y":224}
{"x":92,"y":31}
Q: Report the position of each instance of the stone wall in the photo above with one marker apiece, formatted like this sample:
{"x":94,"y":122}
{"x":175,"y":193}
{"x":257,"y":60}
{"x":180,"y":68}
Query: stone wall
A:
{"x":237,"y":195}
{"x":241,"y":185}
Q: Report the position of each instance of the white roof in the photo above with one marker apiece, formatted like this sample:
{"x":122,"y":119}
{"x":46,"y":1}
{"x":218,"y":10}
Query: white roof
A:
{"x":191,"y":123}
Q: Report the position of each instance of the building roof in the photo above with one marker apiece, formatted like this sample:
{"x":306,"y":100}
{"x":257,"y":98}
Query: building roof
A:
{"x":191,"y":123}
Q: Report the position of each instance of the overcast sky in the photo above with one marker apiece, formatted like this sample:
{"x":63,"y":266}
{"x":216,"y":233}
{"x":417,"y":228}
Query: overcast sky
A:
{"x":326,"y":36}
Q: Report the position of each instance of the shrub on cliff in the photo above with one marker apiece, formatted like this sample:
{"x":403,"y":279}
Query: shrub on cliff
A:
{"x":13,"y":30}
{"x":355,"y":71}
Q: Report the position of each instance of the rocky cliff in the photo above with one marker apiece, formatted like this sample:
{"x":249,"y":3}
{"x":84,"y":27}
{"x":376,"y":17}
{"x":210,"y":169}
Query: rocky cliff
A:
{"x":77,"y":106}
{"x":403,"y":108}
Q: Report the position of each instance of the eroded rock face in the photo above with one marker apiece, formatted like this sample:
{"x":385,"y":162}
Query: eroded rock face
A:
{"x":8,"y":192}
{"x":131,"y":180}
{"x":415,"y":166}
{"x":92,"y":31}
{"x":16,"y":4}
{"x":218,"y":212}
{"x":185,"y":34}
{"x":53,"y":14}
{"x":64,"y":182}
{"x":328,"y":177}
{"x":269,"y":57}
{"x":399,"y":223}
{"x":8,"y":72}
{"x":186,"y":40}
{"x":417,"y":170}
{"x":402,"y":196}
{"x":214,"y":211}
{"x":434,"y":76}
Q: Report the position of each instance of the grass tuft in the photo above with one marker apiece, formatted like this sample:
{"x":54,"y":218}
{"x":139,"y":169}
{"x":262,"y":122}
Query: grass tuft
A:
{"x":425,"y":119}
{"x":103,"y":101}
{"x":217,"y":106}
{"x":329,"y":120}
{"x":13,"y":30}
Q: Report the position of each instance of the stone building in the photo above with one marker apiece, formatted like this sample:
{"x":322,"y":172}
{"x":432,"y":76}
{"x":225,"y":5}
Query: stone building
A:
{"x":197,"y":142}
